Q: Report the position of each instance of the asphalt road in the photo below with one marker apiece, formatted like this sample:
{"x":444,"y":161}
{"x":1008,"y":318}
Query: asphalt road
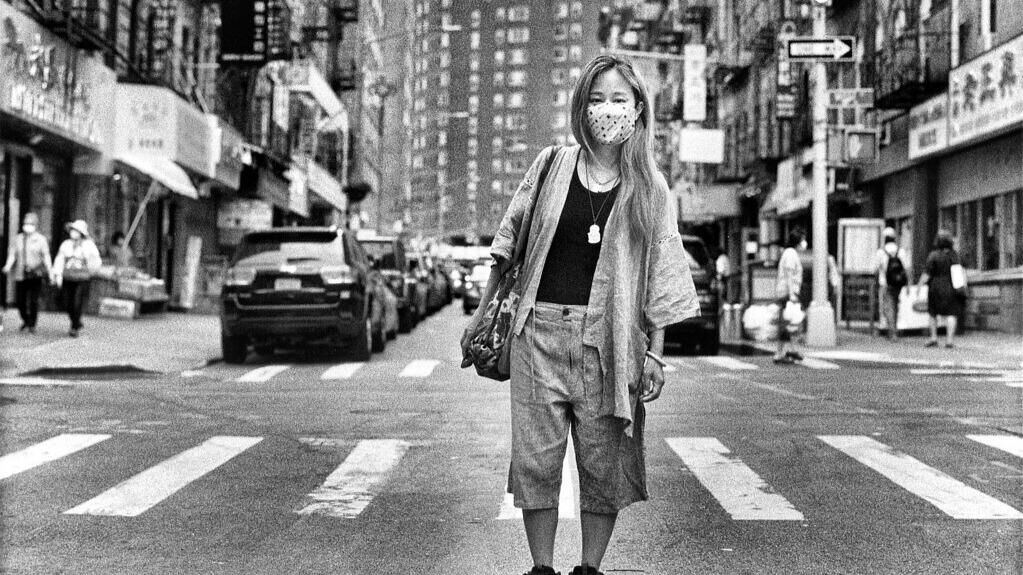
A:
{"x":303,"y":463}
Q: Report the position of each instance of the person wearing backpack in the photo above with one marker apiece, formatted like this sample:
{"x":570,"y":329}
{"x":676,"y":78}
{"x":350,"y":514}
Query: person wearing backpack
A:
{"x":892,"y":276}
{"x":77,"y":261}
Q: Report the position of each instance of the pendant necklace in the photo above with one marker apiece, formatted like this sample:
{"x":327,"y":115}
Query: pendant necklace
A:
{"x":593,"y":236}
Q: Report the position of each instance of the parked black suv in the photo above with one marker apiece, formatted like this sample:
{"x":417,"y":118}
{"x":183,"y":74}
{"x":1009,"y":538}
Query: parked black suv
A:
{"x":390,"y":257}
{"x":702,"y":330}
{"x":299,"y":284}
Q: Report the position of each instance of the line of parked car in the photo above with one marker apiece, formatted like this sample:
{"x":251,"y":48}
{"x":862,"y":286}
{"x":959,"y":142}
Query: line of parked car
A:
{"x":288,"y":287}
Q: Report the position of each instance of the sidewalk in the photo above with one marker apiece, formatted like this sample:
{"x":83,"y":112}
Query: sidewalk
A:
{"x":974,"y":349}
{"x":168,"y":342}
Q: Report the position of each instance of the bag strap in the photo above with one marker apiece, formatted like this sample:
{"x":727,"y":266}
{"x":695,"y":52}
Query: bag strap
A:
{"x":527,"y":221}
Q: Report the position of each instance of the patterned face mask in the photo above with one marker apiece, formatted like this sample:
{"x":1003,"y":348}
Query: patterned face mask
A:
{"x":611,"y":123}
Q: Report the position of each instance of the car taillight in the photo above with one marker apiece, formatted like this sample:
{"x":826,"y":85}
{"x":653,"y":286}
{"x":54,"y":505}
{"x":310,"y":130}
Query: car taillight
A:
{"x":469,"y":285}
{"x":334,"y":275}
{"x":240,"y":277}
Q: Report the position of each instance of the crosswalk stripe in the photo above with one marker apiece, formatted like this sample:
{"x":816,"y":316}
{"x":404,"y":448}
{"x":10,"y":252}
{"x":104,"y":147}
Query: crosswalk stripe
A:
{"x":739,"y":490}
{"x":419,"y":368}
{"x":954,"y":371}
{"x":46,"y":451}
{"x":138,"y":494}
{"x":347,"y":491}
{"x":952,"y":497}
{"x":727,"y":362}
{"x":342,"y":371}
{"x":262,"y":374}
{"x":566,"y":498}
{"x":1008,"y":443}
{"x":814,"y":363}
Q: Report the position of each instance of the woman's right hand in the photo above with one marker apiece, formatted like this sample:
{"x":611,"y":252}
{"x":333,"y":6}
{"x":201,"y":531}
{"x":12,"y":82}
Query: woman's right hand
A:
{"x":467,"y":338}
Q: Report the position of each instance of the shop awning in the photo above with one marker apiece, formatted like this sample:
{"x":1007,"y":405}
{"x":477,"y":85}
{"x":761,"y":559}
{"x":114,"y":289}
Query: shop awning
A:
{"x":163,"y":170}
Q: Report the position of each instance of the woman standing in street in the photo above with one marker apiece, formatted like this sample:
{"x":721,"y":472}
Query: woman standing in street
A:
{"x":77,"y":260}
{"x":942,"y":298}
{"x":787,"y":289}
{"x":604,"y":273}
{"x":29,"y":258}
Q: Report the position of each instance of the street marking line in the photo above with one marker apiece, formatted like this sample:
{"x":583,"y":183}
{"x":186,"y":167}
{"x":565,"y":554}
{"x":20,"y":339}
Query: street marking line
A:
{"x":814,"y":363}
{"x":786,"y":392}
{"x":419,"y":368}
{"x":949,"y":495}
{"x":37,"y":381}
{"x":728,"y":362}
{"x":737,"y":488}
{"x":566,"y":498}
{"x":1008,"y":443}
{"x":138,"y":494}
{"x":46,"y":451}
{"x":954,"y":371}
{"x":347,"y":491}
{"x":342,"y":371}
{"x":262,"y":374}
{"x":1014,"y":384}
{"x":852,"y":355}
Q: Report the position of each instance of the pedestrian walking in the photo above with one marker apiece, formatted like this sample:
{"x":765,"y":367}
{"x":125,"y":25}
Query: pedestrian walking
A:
{"x":76,"y":262}
{"x":29,"y":260}
{"x":787,"y":289}
{"x":943,"y":298}
{"x":604,"y":273}
{"x":892,"y":276}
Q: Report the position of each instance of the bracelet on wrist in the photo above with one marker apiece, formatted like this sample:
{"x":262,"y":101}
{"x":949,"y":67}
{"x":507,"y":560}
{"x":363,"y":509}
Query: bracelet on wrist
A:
{"x":656,"y":358}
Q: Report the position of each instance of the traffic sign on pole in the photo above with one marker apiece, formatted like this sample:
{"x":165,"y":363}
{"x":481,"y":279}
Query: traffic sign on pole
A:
{"x":834,"y":49}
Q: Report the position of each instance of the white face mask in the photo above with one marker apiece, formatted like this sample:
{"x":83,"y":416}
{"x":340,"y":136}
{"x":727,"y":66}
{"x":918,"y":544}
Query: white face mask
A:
{"x":28,"y":228}
{"x":76,"y":235}
{"x":611,"y":123}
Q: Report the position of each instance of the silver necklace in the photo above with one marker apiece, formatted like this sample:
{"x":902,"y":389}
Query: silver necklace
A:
{"x":614,"y":177}
{"x":593,"y":235}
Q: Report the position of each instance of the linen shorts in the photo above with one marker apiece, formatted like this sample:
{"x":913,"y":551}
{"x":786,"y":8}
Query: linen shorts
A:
{"x":556,"y":390}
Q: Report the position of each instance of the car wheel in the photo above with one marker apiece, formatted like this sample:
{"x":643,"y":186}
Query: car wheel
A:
{"x":406,"y":320}
{"x":362,"y":344}
{"x":264,"y":350}
{"x":711,"y":343}
{"x":379,"y":340}
{"x":235,"y":348}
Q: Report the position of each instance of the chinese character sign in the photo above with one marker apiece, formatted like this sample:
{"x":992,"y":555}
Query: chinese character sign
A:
{"x":986,"y":94}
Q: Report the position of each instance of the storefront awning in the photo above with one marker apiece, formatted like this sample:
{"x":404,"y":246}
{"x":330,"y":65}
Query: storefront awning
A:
{"x":163,"y":170}
{"x":325,"y":186}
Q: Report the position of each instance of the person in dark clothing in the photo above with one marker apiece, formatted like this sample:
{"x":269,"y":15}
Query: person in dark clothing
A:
{"x":942,"y":299}
{"x":29,"y":261}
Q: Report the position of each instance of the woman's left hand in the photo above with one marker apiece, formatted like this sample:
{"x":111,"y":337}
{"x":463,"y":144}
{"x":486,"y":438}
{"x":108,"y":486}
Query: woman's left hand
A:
{"x":652,"y":381}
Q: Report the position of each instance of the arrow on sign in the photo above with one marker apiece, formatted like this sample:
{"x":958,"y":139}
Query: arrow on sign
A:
{"x":837,"y":48}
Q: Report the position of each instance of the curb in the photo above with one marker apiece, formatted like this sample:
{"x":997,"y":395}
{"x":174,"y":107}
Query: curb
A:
{"x":100,"y":369}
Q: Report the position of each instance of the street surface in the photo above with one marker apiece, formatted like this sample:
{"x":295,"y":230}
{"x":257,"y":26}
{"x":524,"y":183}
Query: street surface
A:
{"x":304,"y":463}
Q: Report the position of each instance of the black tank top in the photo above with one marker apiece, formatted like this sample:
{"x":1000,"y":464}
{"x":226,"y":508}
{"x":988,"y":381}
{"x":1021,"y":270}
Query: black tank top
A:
{"x":572,"y":260}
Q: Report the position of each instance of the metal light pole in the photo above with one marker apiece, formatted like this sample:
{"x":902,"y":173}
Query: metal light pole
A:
{"x":820,"y":318}
{"x":382,"y":88}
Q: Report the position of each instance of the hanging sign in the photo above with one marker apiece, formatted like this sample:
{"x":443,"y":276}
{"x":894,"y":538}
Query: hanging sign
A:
{"x":694,"y":108}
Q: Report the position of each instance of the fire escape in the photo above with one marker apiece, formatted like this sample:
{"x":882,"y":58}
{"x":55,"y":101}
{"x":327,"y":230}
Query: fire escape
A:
{"x":912,"y":62}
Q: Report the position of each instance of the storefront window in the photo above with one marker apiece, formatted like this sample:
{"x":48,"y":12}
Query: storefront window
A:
{"x":1013,"y":225}
{"x":990,"y":235}
{"x":989,"y":232}
{"x":968,"y":234}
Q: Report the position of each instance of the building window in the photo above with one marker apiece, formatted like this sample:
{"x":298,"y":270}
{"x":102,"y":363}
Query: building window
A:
{"x":516,"y":78}
{"x":518,"y":57}
{"x":516,"y":144}
{"x":474,"y":40}
{"x":498,"y":79}
{"x":558,"y":77}
{"x":560,"y":54}
{"x":560,"y":121}
{"x":516,"y":100}
{"x":560,"y":32}
{"x":445,"y":79}
{"x":574,"y":73}
{"x":495,"y":167}
{"x":498,"y":100}
{"x":442,"y":138}
{"x":498,"y":121}
{"x":561,"y":98}
{"x":445,"y":40}
{"x":575,"y":32}
{"x":499,"y":14}
{"x":499,"y":57}
{"x":515,"y":122}
{"x":562,"y":10}
{"x":495,"y":145}
{"x":518,"y":35}
{"x":577,"y":9}
{"x":475,"y":18}
{"x":575,"y":53}
{"x":989,"y":232}
{"x":474,"y":125}
{"x":445,"y":59}
{"x":518,"y":14}
{"x":474,"y":104}
{"x":510,"y":187}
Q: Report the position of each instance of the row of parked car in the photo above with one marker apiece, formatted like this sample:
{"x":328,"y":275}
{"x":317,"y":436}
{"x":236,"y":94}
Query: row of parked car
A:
{"x":288,"y":287}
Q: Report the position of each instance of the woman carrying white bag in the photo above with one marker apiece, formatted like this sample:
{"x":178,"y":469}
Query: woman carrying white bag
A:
{"x":946,"y":281}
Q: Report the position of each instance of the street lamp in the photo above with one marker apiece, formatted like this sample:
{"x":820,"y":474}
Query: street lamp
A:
{"x":381,"y":88}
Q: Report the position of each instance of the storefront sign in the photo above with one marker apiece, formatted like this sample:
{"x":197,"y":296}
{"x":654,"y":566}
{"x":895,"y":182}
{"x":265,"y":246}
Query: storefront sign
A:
{"x":235,"y":218}
{"x":851,"y":98}
{"x":154,"y":121}
{"x":243,"y":31}
{"x":701,"y":146}
{"x":928,"y":127}
{"x":231,"y":161}
{"x":694,"y":107}
{"x":986,"y":94}
{"x":47,"y":83}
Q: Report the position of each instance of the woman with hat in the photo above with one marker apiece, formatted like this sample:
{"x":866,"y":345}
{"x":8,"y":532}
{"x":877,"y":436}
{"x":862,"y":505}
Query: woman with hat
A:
{"x":29,"y":258}
{"x":77,"y":260}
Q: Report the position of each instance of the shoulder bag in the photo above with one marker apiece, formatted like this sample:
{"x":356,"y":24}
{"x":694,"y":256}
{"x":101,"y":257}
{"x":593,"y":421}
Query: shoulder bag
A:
{"x":490,"y":346}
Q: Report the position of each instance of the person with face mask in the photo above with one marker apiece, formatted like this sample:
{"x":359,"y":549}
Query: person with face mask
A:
{"x":29,"y":259}
{"x":787,"y":289}
{"x":604,"y":274}
{"x":76,"y":262}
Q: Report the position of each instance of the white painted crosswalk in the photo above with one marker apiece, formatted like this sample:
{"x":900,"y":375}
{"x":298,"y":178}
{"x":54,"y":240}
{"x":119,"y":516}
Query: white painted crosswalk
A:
{"x":419,"y":368}
{"x":262,"y":374}
{"x":140,"y":493}
{"x":729,"y":362}
{"x":342,"y":371}
{"x":951,"y":496}
{"x":743,"y":491}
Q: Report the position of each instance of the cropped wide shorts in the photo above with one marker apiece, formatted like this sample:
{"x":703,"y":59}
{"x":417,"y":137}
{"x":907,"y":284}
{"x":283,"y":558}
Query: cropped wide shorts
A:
{"x":556,"y":391}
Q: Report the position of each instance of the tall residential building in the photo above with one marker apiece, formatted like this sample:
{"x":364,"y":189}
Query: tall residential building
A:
{"x":491,"y":87}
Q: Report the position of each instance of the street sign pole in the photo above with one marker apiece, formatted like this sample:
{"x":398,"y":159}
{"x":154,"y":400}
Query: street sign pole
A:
{"x":820,"y":318}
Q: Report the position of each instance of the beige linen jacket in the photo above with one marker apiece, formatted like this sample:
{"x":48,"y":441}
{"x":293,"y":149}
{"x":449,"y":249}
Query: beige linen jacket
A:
{"x":638,"y":287}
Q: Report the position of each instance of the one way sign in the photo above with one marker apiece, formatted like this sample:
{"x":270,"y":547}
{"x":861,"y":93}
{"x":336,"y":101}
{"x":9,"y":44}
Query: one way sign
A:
{"x":835,"y":49}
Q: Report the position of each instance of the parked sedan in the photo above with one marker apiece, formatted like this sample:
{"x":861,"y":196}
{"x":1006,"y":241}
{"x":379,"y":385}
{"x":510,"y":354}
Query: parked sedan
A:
{"x":702,"y":331}
{"x":388,"y":255}
{"x":295,"y":285}
{"x":475,"y":284}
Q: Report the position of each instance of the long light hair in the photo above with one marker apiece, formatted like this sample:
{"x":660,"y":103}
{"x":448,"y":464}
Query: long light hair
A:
{"x":642,"y":188}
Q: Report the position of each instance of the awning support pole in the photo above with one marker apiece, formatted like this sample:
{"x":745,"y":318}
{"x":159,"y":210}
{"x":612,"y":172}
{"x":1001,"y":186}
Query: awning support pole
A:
{"x":154,"y":187}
